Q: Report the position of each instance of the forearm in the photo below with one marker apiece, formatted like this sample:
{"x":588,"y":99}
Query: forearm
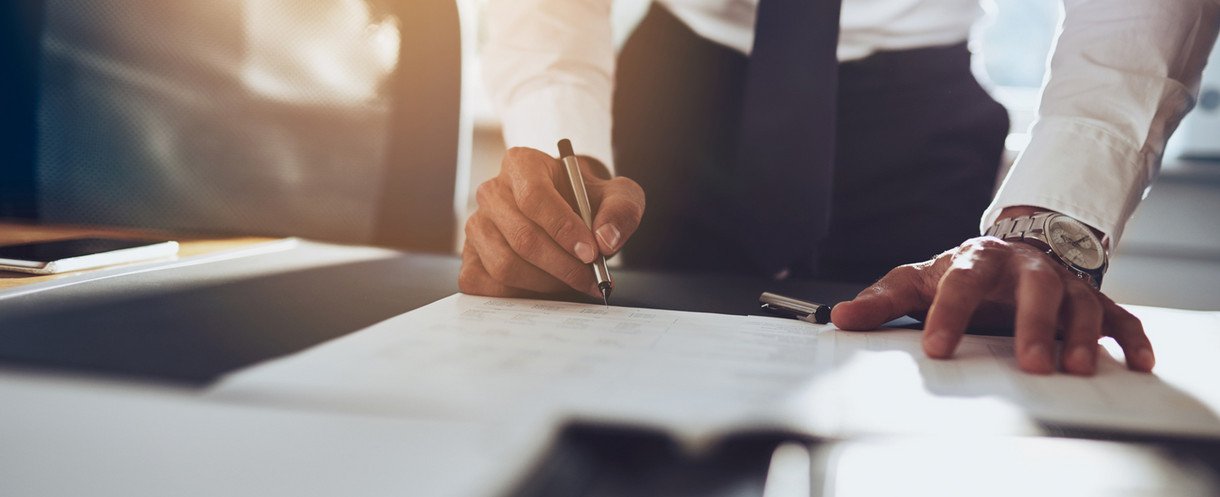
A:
{"x":549,"y":67}
{"x":1122,"y":76}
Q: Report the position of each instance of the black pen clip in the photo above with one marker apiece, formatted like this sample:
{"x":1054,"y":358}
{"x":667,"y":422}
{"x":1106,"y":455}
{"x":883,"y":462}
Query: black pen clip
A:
{"x":812,"y":312}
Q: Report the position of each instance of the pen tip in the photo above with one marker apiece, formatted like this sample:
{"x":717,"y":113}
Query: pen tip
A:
{"x":605,"y":288}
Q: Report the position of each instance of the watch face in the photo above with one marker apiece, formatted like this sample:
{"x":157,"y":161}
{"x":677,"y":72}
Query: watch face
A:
{"x":1075,"y":243}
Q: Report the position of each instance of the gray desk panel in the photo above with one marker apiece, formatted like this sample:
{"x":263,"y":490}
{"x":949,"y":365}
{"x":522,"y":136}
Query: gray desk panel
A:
{"x":192,"y":324}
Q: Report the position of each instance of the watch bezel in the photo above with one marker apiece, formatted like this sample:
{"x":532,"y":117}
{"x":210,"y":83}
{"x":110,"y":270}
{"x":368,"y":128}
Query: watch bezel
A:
{"x":1059,"y":254}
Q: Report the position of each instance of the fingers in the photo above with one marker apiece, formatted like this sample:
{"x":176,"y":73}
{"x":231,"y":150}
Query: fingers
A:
{"x":987,"y":279}
{"x":534,"y":179}
{"x":1082,"y":316}
{"x":1039,"y":294}
{"x":501,"y":263}
{"x":973,"y":273}
{"x":526,"y":236}
{"x":518,"y":253}
{"x":1129,"y":333}
{"x":903,"y":290}
{"x":475,"y":280}
{"x":620,"y":206}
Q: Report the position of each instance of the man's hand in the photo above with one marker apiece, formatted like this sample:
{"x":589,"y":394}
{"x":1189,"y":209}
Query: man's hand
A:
{"x":525,"y":239}
{"x":990,"y":282}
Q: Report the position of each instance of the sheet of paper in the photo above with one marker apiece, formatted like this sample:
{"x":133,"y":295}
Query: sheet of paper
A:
{"x":885,"y":384}
{"x":700,"y":375}
{"x":468,"y":357}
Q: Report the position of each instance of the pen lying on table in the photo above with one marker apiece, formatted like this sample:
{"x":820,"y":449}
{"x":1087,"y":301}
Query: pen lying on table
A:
{"x":789,"y":307}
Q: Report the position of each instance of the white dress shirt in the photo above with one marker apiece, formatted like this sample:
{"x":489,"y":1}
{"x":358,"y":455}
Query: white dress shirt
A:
{"x":1123,"y":74}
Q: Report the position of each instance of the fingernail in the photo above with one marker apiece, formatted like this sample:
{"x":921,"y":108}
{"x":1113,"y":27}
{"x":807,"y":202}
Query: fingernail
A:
{"x":1039,"y":359}
{"x":1081,"y":359}
{"x":1145,"y":359}
{"x":609,"y":235}
{"x":585,"y":252}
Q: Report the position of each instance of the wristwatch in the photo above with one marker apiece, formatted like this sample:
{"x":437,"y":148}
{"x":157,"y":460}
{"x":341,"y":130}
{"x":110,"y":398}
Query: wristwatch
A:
{"x":1070,"y":242}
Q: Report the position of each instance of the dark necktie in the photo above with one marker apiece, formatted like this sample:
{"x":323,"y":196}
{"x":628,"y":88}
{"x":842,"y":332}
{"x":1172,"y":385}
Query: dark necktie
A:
{"x":786,"y":144}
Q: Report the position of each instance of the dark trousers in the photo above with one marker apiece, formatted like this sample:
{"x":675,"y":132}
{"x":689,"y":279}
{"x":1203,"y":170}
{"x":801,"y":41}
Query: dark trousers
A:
{"x":919,"y":143}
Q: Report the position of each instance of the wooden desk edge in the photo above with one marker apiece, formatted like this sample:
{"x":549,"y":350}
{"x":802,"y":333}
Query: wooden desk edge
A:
{"x":12,"y":233}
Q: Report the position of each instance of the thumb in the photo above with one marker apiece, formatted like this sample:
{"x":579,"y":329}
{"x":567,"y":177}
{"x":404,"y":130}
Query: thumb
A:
{"x":620,"y":206}
{"x":900,"y":292}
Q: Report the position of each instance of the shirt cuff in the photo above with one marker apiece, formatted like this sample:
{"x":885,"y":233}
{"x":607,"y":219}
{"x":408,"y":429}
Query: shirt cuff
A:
{"x":541,"y":118}
{"x":1079,"y":169}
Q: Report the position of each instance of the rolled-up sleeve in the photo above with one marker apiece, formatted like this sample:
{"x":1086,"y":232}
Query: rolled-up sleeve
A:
{"x":1123,"y":74}
{"x":549,"y":66}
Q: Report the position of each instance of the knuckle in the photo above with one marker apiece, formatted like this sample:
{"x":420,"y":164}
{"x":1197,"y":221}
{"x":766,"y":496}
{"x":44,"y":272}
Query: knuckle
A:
{"x":983,"y":252}
{"x":1091,"y":309}
{"x":1042,"y":274}
{"x":986,"y":246}
{"x":633,"y":212}
{"x":483,"y":194}
{"x":523,"y":239}
{"x":1084,"y":296}
{"x":905,"y":271}
{"x":472,"y":226}
{"x":498,"y":267}
{"x":916,"y":275}
{"x":1088,"y":311}
{"x":516,"y":156}
{"x":530,"y":197}
{"x":1123,"y":315}
{"x":468,"y":279}
{"x":1127,"y":326}
{"x":964,"y":275}
{"x":1130,"y":321}
{"x":563,"y":226}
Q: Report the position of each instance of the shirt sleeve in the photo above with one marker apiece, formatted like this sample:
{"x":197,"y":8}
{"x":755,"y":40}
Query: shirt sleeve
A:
{"x":1122,"y":76}
{"x":549,"y":67}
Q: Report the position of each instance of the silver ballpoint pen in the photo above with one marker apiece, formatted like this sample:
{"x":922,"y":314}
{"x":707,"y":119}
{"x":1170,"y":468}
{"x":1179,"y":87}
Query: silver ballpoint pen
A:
{"x":572,"y":164}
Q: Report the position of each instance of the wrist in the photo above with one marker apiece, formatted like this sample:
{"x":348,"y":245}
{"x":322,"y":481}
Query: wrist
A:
{"x":1077,"y":246}
{"x":1027,"y":210}
{"x":1018,"y":211}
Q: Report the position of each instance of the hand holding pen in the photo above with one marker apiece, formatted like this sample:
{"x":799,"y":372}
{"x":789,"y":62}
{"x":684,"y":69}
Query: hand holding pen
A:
{"x":525,"y":239}
{"x":580,"y":197}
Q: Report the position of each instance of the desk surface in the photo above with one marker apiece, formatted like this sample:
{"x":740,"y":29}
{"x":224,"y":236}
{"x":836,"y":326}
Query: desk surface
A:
{"x":192,"y":324}
{"x":198,"y":322}
{"x":15,"y":233}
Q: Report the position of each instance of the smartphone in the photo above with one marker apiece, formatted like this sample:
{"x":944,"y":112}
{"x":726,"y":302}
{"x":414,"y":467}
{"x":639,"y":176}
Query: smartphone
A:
{"x":61,"y":256}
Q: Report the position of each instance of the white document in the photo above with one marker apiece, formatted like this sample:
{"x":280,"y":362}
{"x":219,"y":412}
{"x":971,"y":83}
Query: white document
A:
{"x":701,"y":376}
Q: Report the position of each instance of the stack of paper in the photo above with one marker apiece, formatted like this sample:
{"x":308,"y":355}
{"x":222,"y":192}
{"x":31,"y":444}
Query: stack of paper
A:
{"x":702,"y":376}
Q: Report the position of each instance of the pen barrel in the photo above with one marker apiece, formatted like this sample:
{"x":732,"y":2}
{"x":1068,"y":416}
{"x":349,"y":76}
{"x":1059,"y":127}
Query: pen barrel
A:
{"x":572,"y":165}
{"x":578,"y":189}
{"x":800,"y":309}
{"x":600,"y":270}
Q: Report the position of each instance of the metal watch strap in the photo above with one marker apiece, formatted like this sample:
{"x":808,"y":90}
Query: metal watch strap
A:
{"x":1031,"y":229}
{"x":1017,"y":228}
